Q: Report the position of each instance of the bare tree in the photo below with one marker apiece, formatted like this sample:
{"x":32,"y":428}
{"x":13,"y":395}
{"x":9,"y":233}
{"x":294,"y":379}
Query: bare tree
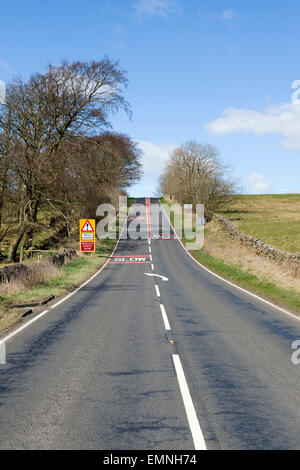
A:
{"x":7,"y":151}
{"x":94,"y":170}
{"x":195,"y":174}
{"x":68,"y":99}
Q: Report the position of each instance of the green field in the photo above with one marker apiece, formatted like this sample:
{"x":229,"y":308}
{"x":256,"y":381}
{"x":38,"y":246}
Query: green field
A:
{"x":274,"y":219}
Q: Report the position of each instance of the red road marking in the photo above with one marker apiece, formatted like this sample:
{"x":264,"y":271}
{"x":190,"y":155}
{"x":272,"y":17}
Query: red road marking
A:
{"x":130,"y":256}
{"x":159,"y":237}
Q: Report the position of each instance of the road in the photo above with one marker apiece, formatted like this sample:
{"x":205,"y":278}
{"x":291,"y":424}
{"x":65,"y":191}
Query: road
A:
{"x":102,"y":369}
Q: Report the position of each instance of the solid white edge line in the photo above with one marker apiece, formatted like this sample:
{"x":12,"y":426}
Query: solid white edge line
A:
{"x":13,"y":333}
{"x":18,"y":330}
{"x":157,"y":290}
{"x":195,"y":428}
{"x":286,"y":312}
{"x":165,"y":317}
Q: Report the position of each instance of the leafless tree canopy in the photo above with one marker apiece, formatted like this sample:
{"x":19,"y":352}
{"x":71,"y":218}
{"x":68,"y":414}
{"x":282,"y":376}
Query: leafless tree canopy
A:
{"x":111,"y":163}
{"x":194,"y":174}
{"x":54,"y":142}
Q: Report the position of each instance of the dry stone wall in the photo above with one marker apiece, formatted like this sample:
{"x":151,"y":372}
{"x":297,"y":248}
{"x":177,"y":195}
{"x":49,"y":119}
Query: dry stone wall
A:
{"x":259,"y":247}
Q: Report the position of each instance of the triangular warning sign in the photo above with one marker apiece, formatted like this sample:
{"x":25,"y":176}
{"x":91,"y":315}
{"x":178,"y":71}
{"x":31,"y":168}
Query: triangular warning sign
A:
{"x":87,"y":227}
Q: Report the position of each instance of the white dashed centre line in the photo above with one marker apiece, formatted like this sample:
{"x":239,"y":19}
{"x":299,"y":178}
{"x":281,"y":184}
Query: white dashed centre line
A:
{"x":157,"y":290}
{"x":195,"y":428}
{"x":165,"y":318}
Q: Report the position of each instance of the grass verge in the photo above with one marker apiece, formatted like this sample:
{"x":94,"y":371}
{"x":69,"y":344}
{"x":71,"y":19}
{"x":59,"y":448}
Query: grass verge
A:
{"x":283,"y":297}
{"x":69,"y":277}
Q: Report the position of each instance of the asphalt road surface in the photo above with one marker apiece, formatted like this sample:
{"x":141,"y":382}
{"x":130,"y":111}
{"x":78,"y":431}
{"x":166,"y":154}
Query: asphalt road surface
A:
{"x":131,"y":361}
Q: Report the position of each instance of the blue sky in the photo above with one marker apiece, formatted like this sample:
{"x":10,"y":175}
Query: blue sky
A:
{"x":220,"y":72}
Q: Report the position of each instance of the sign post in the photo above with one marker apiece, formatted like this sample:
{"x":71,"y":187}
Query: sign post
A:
{"x":87,"y":235}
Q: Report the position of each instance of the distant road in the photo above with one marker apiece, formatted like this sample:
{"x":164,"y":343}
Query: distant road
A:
{"x":132,"y":361}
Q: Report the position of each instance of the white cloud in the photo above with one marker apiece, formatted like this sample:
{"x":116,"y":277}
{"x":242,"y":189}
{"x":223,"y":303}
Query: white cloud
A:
{"x":2,"y":92}
{"x":154,"y":157}
{"x":228,"y":14}
{"x":282,"y":119}
{"x":258,"y":183}
{"x":161,"y":8}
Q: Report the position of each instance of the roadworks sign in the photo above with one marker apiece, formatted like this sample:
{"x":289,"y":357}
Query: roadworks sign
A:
{"x":87,"y":235}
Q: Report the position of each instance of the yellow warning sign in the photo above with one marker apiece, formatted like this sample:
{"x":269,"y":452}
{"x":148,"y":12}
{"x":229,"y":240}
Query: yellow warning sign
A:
{"x":87,"y":235}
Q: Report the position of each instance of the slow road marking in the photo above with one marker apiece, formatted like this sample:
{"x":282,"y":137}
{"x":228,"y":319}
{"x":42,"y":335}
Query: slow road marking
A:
{"x":130,"y":260}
